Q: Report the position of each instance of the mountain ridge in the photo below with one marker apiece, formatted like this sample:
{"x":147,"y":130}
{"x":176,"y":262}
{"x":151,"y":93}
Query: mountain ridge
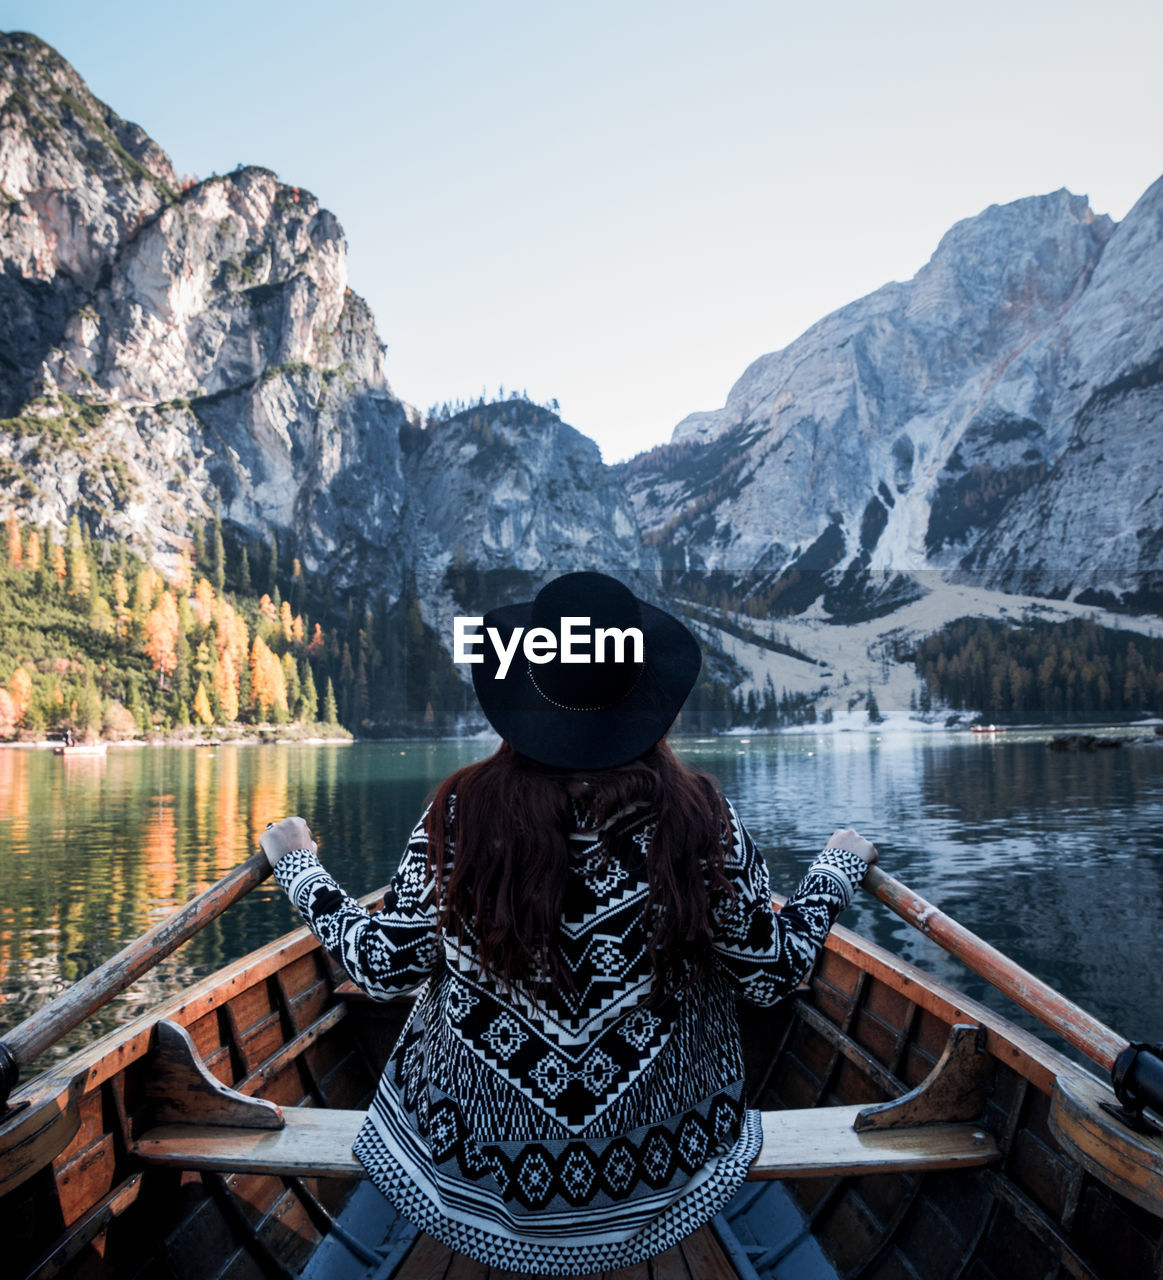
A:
{"x":173,"y":352}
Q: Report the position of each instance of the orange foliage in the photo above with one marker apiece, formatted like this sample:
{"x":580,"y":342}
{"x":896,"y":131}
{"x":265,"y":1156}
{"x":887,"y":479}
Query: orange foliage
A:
{"x":15,"y":551}
{"x":20,"y":689}
{"x":203,"y":602}
{"x":161,"y":635}
{"x":32,"y":553}
{"x":286,"y":620}
{"x":226,"y":850}
{"x":318,"y":641}
{"x":233,"y":637}
{"x":268,"y":688}
{"x":8,"y":716}
{"x":59,"y":565}
{"x":269,"y":793}
{"x":226,"y":688}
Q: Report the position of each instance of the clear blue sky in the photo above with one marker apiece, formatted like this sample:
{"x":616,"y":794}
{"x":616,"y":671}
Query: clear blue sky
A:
{"x":623,"y":204}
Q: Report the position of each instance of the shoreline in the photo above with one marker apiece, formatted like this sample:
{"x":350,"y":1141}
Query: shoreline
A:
{"x":242,"y":740}
{"x":896,"y":724}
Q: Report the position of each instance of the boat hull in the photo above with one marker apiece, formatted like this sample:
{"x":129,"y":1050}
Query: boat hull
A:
{"x":282,"y":1024}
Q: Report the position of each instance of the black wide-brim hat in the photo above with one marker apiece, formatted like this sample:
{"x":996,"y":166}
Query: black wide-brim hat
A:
{"x":586,"y":715}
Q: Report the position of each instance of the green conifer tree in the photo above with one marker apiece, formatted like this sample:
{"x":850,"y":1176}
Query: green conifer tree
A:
{"x":330,"y":710}
{"x":219,"y":566}
{"x":308,"y":708}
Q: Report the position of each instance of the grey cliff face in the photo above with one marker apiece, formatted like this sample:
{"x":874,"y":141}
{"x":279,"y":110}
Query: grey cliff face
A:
{"x":513,"y":486}
{"x":1095,"y":521}
{"x":517,"y":495}
{"x":77,"y":181}
{"x":172,"y":353}
{"x":168,"y":351}
{"x":200,"y":350}
{"x":897,"y":433}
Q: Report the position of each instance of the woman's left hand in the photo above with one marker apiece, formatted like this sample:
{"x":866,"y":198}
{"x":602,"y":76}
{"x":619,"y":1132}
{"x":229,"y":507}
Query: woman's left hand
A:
{"x":282,"y":837}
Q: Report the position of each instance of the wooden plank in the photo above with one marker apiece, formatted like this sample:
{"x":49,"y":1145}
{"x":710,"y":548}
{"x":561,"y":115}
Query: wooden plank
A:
{"x":83,"y":1233}
{"x":259,"y":1042}
{"x":823,"y":1143}
{"x":428,"y":1260}
{"x":465,"y":1268}
{"x":312,"y":1142}
{"x":820,"y":1142}
{"x":705,"y":1257}
{"x":884,"y":1080}
{"x":291,"y":1050}
{"x":84,"y":1178}
{"x":1018,"y":1049}
{"x":670,"y":1265}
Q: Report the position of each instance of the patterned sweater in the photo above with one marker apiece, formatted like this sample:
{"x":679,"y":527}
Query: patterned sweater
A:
{"x":589,"y":1130}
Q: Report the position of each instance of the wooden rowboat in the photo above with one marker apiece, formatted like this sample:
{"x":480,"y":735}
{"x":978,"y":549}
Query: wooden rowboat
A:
{"x":909,"y":1132}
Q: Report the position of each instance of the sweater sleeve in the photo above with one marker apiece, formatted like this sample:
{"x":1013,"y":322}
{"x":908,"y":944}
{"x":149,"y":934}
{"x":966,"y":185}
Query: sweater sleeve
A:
{"x":385,"y":953}
{"x":765,"y":953}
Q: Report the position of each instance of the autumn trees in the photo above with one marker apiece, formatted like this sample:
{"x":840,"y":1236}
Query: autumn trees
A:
{"x":95,"y":640}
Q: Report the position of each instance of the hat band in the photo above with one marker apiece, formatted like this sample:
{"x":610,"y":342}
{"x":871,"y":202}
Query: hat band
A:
{"x":565,"y":706}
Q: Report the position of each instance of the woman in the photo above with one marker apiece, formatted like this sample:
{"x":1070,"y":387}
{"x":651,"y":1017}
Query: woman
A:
{"x":582,"y":911}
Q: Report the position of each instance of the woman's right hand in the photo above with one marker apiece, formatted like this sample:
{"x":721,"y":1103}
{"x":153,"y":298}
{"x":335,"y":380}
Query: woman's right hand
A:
{"x":282,"y":837}
{"x":852,"y":842}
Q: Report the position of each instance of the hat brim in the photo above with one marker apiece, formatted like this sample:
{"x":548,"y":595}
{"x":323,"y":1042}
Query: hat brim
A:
{"x":599,"y":739}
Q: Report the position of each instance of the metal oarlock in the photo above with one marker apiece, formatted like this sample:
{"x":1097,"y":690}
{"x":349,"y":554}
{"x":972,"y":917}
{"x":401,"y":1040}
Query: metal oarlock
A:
{"x":9,"y":1075}
{"x":1137,"y":1077}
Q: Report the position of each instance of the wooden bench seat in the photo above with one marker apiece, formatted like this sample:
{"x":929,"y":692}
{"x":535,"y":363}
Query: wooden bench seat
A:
{"x":822,"y":1141}
{"x":201,"y":1124}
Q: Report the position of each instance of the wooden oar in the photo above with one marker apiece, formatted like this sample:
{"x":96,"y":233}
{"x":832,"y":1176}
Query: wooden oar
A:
{"x":1077,"y":1027}
{"x":35,"y":1034}
{"x":1136,"y":1069}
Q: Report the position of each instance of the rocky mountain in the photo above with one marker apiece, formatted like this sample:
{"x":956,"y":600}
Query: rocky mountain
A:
{"x":997,"y":416}
{"x":175,"y":351}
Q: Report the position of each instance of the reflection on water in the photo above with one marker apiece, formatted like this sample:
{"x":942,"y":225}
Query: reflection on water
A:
{"x":95,"y":850}
{"x":1054,"y":858}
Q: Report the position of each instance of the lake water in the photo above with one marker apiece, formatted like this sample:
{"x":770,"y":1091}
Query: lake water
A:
{"x":1055,"y":858}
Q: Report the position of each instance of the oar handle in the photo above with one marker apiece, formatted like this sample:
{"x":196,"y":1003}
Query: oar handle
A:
{"x":1077,"y":1027}
{"x":30,"y":1038}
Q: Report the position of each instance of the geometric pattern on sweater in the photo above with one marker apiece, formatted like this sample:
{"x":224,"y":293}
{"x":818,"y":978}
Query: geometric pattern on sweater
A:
{"x":604,"y":1237}
{"x":535,"y":1176}
{"x":491,"y":1097}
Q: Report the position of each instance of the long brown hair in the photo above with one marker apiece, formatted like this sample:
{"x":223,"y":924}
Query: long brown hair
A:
{"x":506,"y":820}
